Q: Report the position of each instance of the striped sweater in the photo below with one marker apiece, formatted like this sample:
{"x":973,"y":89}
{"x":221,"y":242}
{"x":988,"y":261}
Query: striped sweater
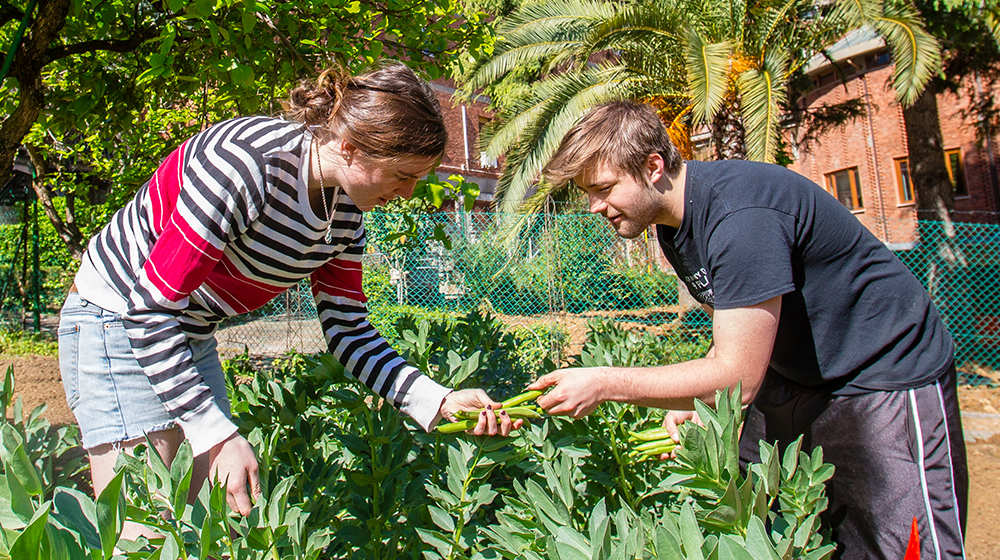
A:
{"x":222,"y":227}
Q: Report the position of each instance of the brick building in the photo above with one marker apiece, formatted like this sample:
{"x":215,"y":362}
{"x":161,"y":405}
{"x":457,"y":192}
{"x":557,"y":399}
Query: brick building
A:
{"x":464,"y":121}
{"x":864,"y":163}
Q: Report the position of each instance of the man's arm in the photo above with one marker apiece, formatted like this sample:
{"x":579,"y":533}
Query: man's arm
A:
{"x":743,"y":341}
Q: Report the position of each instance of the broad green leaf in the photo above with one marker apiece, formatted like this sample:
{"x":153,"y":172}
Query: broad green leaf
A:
{"x":732,"y":548}
{"x":77,"y":511}
{"x":242,"y":75}
{"x":668,"y":546}
{"x":20,"y":503}
{"x":791,"y":460}
{"x":27,"y":545}
{"x":690,"y":533}
{"x":170,"y":550}
{"x":437,"y":540}
{"x":758,"y":544}
{"x":277,"y":505}
{"x":572,"y":545}
{"x":441,"y":518}
{"x":6,"y":390}
{"x":111,"y":513}
{"x":16,"y":461}
{"x":181,"y":469}
{"x":822,"y":553}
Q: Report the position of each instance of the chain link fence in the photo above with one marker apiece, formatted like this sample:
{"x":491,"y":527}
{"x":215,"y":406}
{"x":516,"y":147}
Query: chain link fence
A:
{"x":570,"y":270}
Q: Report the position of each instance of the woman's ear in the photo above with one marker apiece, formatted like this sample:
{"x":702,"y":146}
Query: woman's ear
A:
{"x":347,"y":150}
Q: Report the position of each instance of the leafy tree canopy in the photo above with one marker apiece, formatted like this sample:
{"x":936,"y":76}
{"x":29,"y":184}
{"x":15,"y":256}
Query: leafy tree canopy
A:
{"x":108,"y":87}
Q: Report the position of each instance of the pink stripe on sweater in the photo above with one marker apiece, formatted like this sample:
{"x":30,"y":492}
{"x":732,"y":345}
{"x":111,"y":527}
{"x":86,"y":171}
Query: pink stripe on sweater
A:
{"x":341,"y":278}
{"x":239,"y":292}
{"x":165,"y":187}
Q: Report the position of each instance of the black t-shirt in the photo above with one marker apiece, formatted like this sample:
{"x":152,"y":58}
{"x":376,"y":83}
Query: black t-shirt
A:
{"x":854,"y":319}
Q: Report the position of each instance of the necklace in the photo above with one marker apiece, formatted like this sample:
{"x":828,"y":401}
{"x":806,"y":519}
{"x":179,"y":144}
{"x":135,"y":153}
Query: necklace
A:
{"x":322,"y":193}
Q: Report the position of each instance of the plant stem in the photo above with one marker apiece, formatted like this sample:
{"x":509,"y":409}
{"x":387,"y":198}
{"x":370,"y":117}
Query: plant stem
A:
{"x":626,"y":487}
{"x":377,"y":546}
{"x":457,"y":533}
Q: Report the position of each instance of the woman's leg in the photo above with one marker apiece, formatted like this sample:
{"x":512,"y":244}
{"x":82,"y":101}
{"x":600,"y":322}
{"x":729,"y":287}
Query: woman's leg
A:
{"x":104,"y":457}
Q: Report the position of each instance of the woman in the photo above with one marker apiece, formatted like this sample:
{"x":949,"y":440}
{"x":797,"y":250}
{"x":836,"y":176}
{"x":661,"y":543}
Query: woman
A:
{"x":233,"y":217}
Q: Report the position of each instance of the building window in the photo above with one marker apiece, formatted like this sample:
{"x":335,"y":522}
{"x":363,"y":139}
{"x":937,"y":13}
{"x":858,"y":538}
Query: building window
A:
{"x":903,"y":182}
{"x":845,"y":186}
{"x":878,"y":59}
{"x":956,"y":173}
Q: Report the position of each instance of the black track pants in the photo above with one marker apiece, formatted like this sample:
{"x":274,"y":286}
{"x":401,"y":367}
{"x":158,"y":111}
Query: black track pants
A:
{"x":898,"y":455}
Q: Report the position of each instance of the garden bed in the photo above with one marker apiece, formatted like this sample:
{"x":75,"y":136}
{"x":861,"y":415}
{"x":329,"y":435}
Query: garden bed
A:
{"x":38,"y":381}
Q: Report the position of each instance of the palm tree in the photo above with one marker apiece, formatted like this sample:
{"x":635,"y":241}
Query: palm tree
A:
{"x":726,"y":63}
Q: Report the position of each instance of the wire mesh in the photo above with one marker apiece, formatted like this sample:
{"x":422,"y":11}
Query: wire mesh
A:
{"x":569,"y":270}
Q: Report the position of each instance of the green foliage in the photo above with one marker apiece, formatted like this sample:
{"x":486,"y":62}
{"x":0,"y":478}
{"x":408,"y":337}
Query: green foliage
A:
{"x":20,"y":342}
{"x":123,"y":82}
{"x":49,"y":450}
{"x":708,"y":60}
{"x":474,"y":350}
{"x":609,"y":344}
{"x":344,"y":476}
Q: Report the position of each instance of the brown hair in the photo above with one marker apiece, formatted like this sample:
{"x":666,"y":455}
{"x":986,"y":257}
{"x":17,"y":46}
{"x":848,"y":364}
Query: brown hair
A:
{"x":387,"y":112}
{"x":621,"y":133}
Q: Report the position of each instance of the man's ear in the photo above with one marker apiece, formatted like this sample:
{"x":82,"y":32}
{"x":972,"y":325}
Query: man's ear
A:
{"x":655,"y":167}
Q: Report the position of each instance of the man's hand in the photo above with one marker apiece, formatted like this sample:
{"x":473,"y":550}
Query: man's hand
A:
{"x":576,"y":391}
{"x":234,"y":463}
{"x":490,"y":421}
{"x":675,"y":418}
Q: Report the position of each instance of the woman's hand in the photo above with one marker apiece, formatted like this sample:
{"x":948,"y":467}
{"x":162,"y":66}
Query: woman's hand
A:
{"x":491,"y":422}
{"x":233,"y":463}
{"x":575,"y":392}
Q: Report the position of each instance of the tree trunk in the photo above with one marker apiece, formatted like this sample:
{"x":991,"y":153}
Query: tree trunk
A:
{"x":934,"y":192}
{"x":935,"y":202}
{"x":27,"y":70}
{"x":67,"y":230}
{"x":728,"y":133}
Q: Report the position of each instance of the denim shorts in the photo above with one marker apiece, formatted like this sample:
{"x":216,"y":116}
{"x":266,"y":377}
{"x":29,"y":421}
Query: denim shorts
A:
{"x":106,"y":389}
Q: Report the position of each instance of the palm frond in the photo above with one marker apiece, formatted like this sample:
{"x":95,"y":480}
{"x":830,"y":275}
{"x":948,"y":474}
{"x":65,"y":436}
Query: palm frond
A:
{"x":554,"y":14}
{"x":539,"y":52}
{"x":991,"y":16}
{"x":762,"y":94}
{"x":708,"y":70}
{"x":567,"y":96}
{"x":538,"y":33}
{"x":915,"y":52}
{"x":643,"y":26}
{"x":776,"y":26}
{"x":856,"y":13}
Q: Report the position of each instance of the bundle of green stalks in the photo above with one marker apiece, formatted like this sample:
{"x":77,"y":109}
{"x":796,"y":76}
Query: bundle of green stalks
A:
{"x":467,"y":419}
{"x":651,"y":444}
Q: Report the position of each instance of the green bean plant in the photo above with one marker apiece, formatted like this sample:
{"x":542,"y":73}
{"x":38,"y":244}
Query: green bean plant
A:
{"x":345,"y":476}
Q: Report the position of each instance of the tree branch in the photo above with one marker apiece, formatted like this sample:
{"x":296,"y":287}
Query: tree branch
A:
{"x":9,"y":13}
{"x":69,"y":234}
{"x":121,"y":45}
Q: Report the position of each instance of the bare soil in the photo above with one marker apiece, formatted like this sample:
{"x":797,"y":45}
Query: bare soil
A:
{"x":37,"y":380}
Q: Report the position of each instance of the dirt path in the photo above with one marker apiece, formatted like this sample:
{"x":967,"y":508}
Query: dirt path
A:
{"x":37,"y":380}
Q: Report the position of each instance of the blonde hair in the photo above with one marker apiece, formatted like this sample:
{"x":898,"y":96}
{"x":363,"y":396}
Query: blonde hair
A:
{"x":622,"y":134}
{"x":387,"y":113}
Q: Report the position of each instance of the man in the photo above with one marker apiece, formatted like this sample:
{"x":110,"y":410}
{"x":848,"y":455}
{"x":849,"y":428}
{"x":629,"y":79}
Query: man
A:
{"x":829,"y":334}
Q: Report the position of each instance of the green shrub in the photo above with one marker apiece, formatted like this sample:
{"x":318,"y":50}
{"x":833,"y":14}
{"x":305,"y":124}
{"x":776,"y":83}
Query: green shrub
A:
{"x":20,"y":342}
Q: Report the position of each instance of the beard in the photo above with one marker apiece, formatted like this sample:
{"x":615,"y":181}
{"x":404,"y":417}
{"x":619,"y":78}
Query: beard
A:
{"x":639,"y":216}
